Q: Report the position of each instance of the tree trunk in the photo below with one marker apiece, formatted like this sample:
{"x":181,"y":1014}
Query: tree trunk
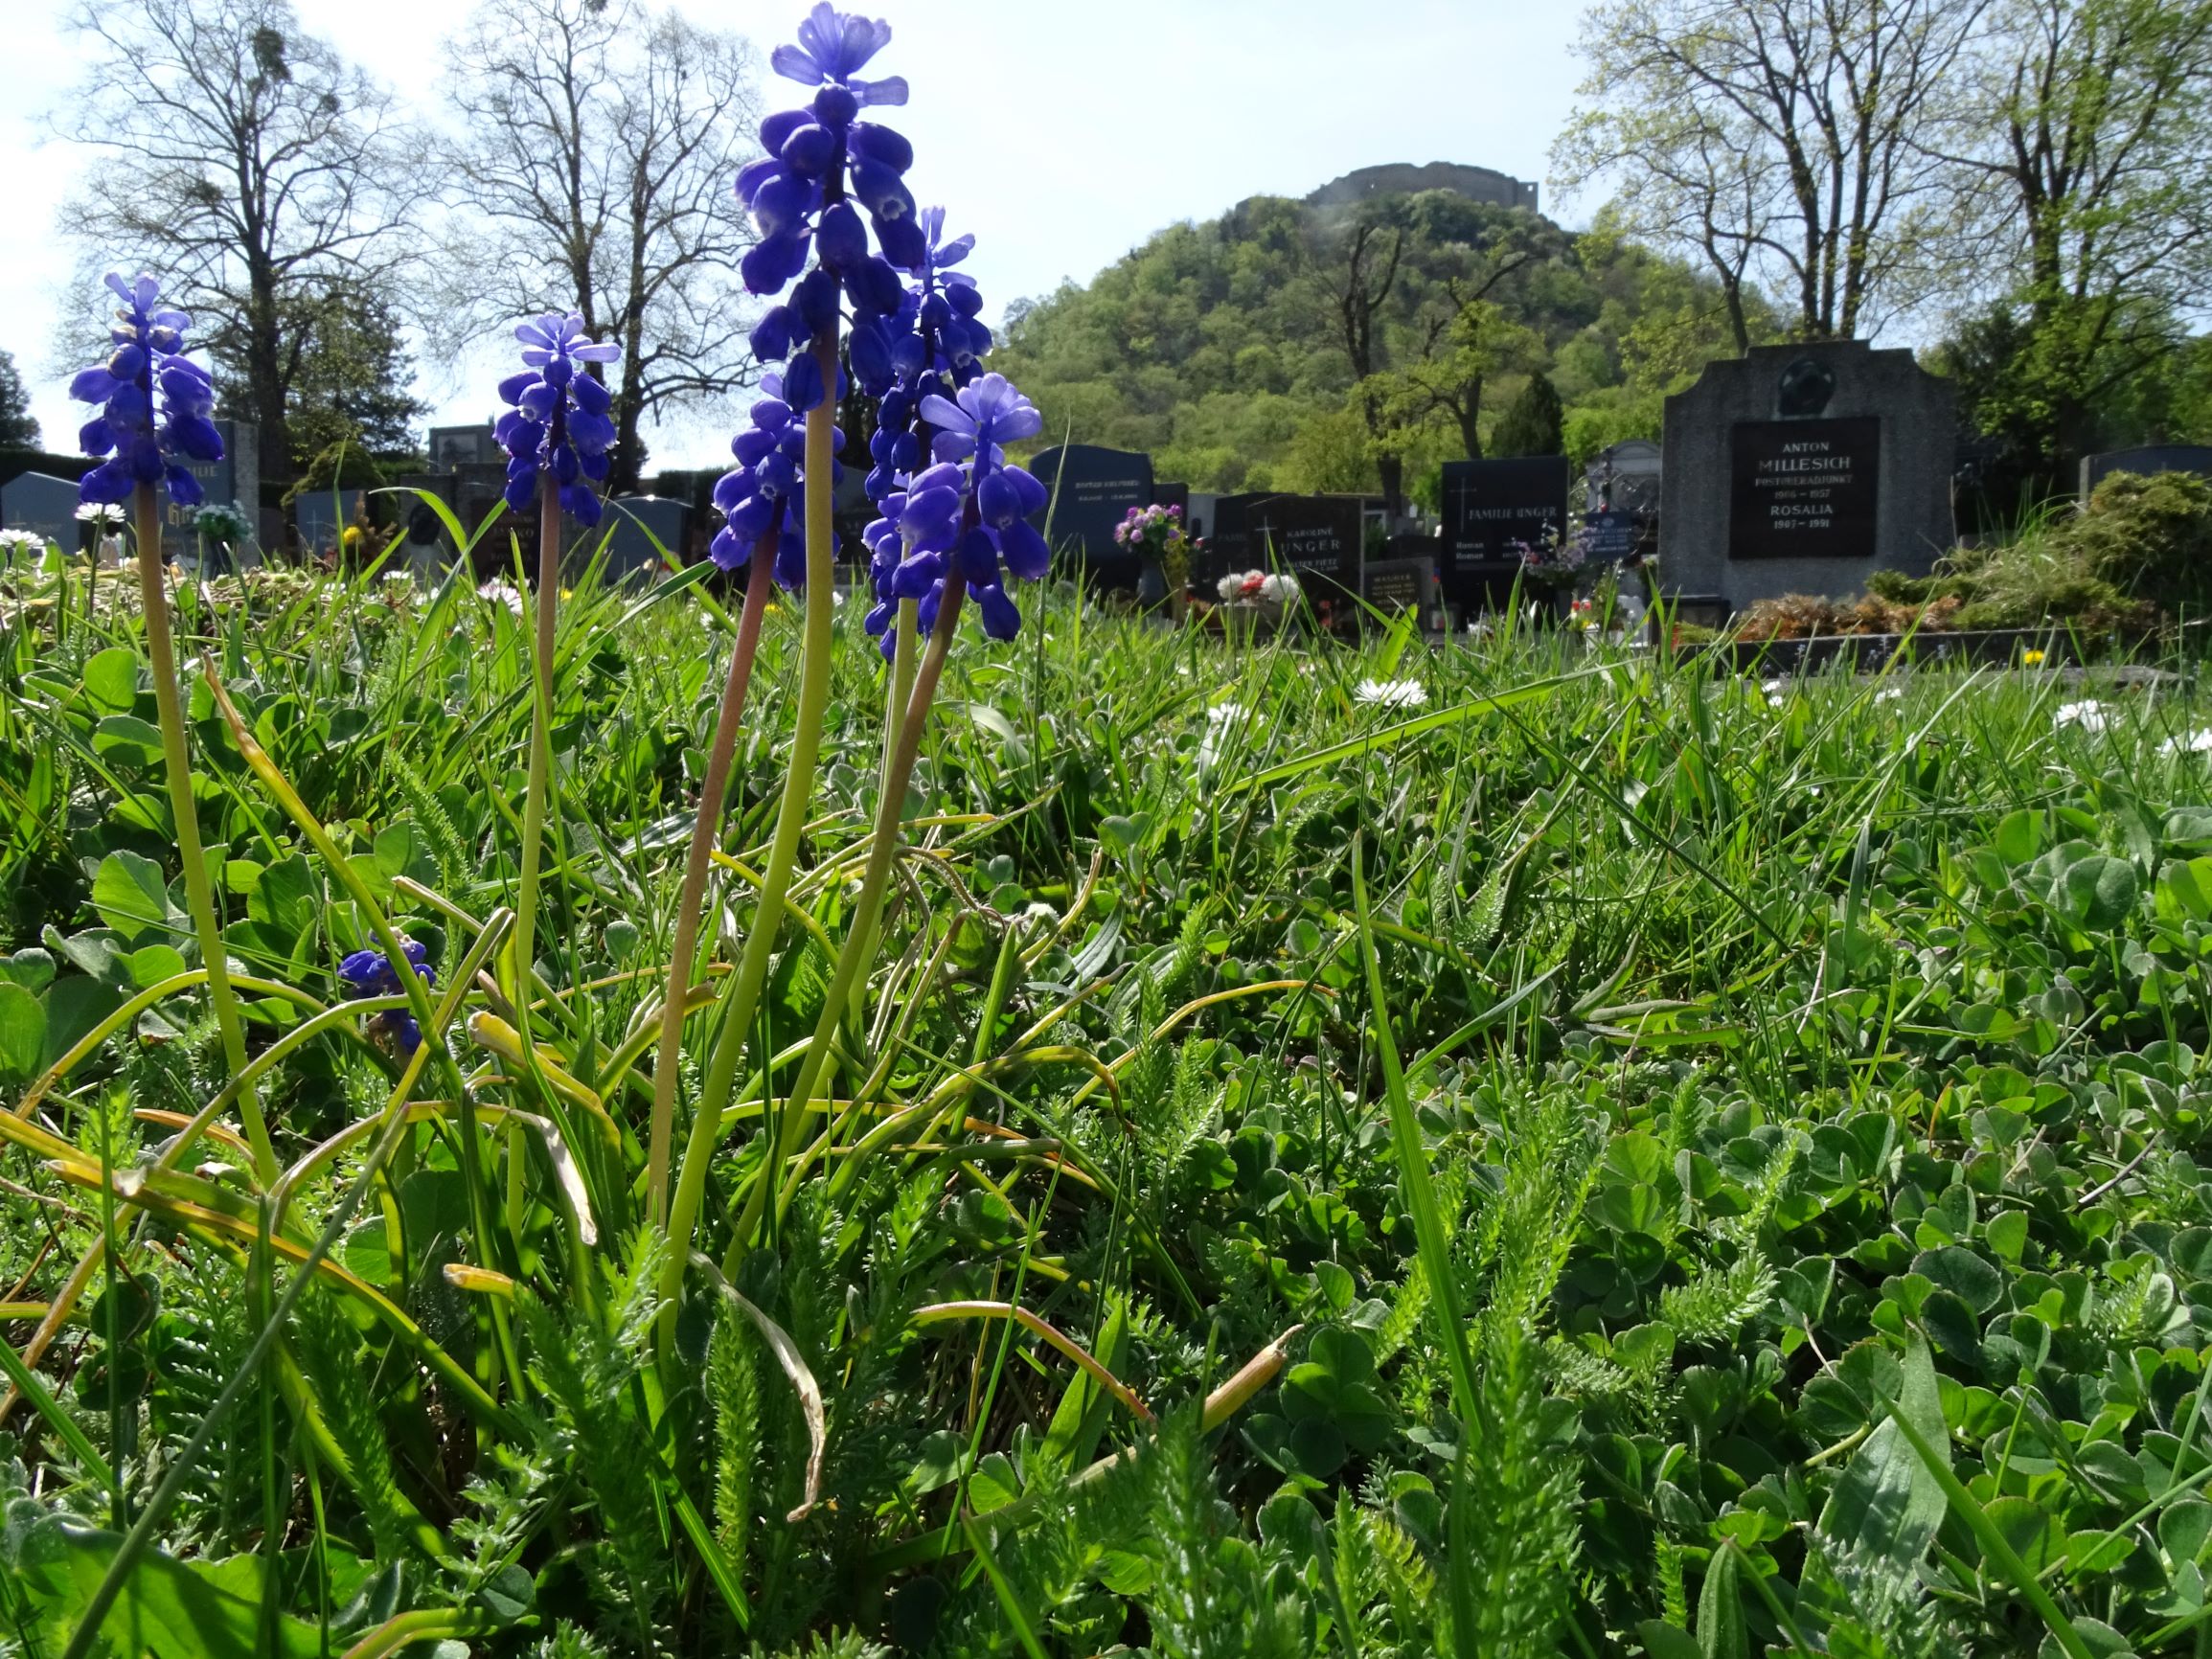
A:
{"x":1392,"y":470}
{"x":266,"y":378}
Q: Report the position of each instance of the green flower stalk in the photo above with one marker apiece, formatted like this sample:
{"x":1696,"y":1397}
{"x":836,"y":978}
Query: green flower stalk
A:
{"x":145,"y":451}
{"x":690,"y":901}
{"x":557,"y":433}
{"x":860,"y":947}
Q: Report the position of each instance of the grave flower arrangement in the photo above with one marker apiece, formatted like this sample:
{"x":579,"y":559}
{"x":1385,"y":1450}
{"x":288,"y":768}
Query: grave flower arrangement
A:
{"x":1266,"y":589}
{"x":1555,"y":561}
{"x":1159,"y":534}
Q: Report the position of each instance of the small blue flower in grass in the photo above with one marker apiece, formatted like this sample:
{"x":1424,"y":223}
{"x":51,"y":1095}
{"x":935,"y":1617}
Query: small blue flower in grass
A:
{"x":369,"y":973}
{"x":141,"y":446}
{"x":558,"y":426}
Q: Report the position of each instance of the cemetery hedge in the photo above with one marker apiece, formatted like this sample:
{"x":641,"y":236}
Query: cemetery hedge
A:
{"x":1808,"y":1082}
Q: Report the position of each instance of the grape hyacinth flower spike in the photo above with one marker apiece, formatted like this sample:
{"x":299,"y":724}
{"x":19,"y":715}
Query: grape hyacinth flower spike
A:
{"x":155,"y":403}
{"x":557,"y":425}
{"x":140,"y":445}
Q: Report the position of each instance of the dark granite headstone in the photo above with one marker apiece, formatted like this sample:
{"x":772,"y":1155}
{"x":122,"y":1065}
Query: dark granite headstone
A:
{"x":1400,"y":585}
{"x":633,"y":525}
{"x":1091,"y":490}
{"x":1491,"y":509}
{"x":235,"y":478}
{"x":47,"y":504}
{"x":1611,"y":534}
{"x":2150,"y":460}
{"x":1316,"y":536}
{"x":321,"y":517}
{"x":1229,"y":546}
{"x":1805,"y":468}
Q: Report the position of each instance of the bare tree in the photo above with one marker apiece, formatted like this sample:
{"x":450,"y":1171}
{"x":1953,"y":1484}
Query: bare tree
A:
{"x":1688,"y":177}
{"x":249,"y":165}
{"x":1783,"y":140}
{"x":590,"y":171}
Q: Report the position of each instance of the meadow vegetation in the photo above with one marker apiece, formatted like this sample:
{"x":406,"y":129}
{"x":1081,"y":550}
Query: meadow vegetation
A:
{"x":1757,"y":1125}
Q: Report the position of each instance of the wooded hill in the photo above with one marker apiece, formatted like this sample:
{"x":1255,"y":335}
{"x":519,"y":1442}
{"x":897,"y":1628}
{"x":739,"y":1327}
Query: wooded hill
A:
{"x":1281,"y":347}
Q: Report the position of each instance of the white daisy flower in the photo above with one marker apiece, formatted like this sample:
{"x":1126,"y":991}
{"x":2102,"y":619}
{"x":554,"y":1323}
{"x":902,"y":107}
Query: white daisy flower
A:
{"x":2090,"y":716}
{"x":1391,"y":693}
{"x":2197,"y":742}
{"x":504,"y":592}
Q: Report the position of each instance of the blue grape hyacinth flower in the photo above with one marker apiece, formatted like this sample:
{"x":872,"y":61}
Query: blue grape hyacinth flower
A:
{"x":767,"y":487}
{"x":141,"y":444}
{"x":826,"y":180}
{"x":370,"y":974}
{"x":557,"y":425}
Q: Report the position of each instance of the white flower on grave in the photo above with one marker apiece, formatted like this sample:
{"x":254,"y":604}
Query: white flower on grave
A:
{"x":2198,"y":742}
{"x":2090,"y":716}
{"x":1390,"y":693}
{"x":504,"y":592}
{"x":21,"y":541}
{"x":102,"y":513}
{"x":1280,"y":588}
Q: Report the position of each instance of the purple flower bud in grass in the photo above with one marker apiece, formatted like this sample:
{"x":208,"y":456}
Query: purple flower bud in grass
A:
{"x":139,"y":445}
{"x":559,"y":426}
{"x":369,"y":973}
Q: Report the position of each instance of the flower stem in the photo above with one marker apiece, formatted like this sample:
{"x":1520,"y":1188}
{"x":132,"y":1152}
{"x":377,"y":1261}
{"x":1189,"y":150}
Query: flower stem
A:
{"x":734,"y":1024}
{"x":859,"y":947}
{"x":199,"y":896}
{"x":540,"y":740}
{"x":706,"y":830}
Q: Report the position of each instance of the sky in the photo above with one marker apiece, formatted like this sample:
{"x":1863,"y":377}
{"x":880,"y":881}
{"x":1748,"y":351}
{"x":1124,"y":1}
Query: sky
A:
{"x":1062,"y":132}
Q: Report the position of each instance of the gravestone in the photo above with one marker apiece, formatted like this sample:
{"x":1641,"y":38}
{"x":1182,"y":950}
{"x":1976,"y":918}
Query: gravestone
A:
{"x":1318,"y":537}
{"x":1392,"y":585}
{"x":453,"y":447}
{"x":1090,"y":491}
{"x":1628,"y":472}
{"x":425,"y":547}
{"x":235,"y":478}
{"x":321,"y":517}
{"x":1610,"y":534}
{"x":1230,"y":550}
{"x":1491,"y":509}
{"x":2149,"y":460}
{"x":1803,"y":469}
{"x":39,"y":502}
{"x":633,"y":525}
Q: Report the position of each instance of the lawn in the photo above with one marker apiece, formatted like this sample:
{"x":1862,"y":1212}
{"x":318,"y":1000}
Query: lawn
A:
{"x":1355,"y":1150}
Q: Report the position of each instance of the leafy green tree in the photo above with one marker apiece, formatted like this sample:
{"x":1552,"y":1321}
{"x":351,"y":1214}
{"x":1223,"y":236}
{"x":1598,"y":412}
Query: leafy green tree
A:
{"x":1779,"y":144}
{"x":2083,"y":152}
{"x":350,"y":373}
{"x":1533,"y":424}
{"x":18,"y":430}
